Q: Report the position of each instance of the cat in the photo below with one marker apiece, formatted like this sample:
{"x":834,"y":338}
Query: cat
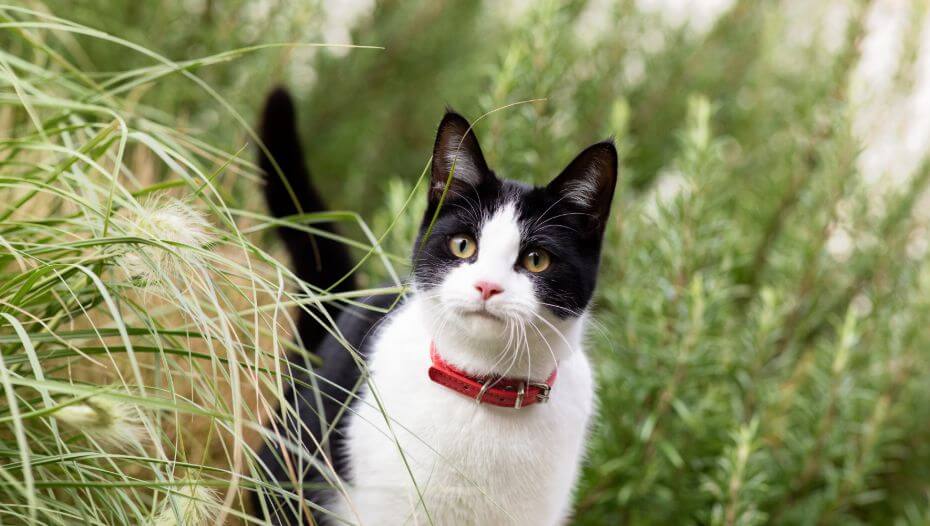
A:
{"x":477,"y":395}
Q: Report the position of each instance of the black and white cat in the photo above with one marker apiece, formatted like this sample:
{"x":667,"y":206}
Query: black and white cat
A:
{"x":502,"y":276}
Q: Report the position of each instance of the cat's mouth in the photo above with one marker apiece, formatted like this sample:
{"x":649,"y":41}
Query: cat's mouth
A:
{"x":484,"y":314}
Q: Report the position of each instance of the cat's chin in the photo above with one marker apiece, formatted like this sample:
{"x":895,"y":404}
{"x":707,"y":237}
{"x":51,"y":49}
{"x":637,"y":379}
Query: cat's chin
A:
{"x":484,"y":315}
{"x":481,"y":325}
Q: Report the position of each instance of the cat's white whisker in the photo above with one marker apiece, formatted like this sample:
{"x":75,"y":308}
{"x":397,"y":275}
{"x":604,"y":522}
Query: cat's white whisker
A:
{"x":511,"y":326}
{"x":529,"y":355}
{"x":556,"y":330}
{"x":555,"y":360}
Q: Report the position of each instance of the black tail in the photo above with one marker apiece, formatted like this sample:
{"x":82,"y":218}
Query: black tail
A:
{"x":317,"y":260}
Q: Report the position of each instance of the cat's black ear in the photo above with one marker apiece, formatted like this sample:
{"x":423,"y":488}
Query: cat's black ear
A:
{"x":458,"y":154}
{"x":588,"y":182}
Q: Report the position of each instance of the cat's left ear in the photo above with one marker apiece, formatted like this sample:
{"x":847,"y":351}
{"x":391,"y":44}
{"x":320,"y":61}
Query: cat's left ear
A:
{"x":588,"y":182}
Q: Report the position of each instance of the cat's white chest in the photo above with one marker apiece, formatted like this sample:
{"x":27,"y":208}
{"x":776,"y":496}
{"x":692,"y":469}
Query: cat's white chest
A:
{"x":442,"y":458}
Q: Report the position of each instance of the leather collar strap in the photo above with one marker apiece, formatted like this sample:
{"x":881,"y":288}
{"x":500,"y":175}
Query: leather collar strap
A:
{"x":502,"y":392}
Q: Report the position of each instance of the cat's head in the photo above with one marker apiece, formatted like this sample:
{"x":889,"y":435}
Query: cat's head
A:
{"x":493,"y":253}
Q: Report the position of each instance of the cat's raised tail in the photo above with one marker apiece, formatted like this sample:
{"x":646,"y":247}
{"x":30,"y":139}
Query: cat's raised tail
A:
{"x":322,"y":262}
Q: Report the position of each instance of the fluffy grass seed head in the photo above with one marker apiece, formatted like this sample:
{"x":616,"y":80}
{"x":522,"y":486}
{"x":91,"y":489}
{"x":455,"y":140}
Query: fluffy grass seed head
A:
{"x":110,"y":423}
{"x":165,"y":220}
{"x":193,"y":505}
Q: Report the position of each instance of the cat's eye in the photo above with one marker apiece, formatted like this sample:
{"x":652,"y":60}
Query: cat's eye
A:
{"x":536,"y":260}
{"x":463,"y":246}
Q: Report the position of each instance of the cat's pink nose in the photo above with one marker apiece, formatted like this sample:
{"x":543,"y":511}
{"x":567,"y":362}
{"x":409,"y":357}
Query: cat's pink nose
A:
{"x":488,"y":289}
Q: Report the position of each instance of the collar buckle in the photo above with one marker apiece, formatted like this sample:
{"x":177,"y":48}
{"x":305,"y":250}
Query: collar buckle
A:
{"x":544,"y":390}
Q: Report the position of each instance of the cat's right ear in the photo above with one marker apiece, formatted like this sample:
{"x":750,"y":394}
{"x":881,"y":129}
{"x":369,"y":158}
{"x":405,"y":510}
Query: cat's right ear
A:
{"x":457,"y":159}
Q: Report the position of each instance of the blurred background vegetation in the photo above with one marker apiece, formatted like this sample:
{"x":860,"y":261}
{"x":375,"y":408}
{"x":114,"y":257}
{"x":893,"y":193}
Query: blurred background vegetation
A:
{"x":761,"y":330}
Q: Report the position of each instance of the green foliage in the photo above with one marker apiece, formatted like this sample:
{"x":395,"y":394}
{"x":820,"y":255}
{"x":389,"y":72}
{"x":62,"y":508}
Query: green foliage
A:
{"x":749,"y":372}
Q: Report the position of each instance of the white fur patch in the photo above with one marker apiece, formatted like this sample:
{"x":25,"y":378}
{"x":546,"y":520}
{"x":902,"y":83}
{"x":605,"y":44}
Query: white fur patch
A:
{"x":474,"y":465}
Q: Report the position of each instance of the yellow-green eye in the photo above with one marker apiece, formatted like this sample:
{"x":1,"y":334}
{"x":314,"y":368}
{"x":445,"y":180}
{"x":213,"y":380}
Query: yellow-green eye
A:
{"x":536,"y":260}
{"x":463,"y":246}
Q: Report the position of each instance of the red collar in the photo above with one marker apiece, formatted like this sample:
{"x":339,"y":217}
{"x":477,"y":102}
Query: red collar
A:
{"x":503,"y":392}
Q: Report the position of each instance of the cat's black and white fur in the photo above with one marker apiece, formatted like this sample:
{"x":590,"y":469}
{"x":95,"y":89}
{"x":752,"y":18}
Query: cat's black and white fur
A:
{"x":503,"y":273}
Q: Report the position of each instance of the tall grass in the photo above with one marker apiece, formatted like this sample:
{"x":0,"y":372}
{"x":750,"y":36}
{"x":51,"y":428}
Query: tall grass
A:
{"x":140,"y":325}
